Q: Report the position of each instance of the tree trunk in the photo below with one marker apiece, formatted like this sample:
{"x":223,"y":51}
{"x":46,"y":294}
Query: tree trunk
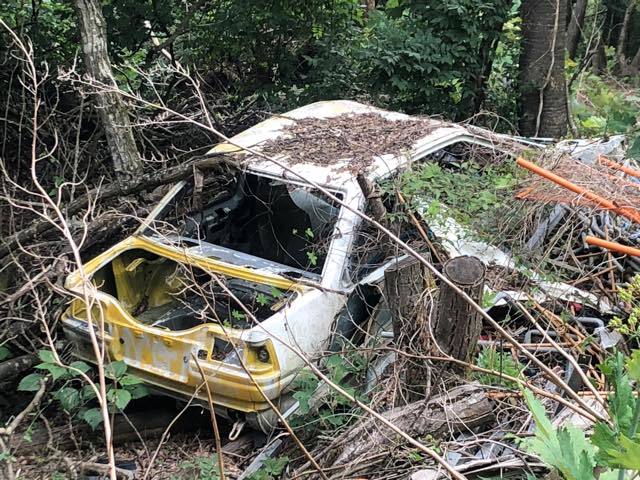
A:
{"x":369,"y":7}
{"x":574,"y":31}
{"x":634,"y":66}
{"x":457,"y":325}
{"x":374,"y":198}
{"x":543,"y":98}
{"x":404,"y":284}
{"x":599,"y":62}
{"x":621,"y":47}
{"x":487,"y":53}
{"x":113,"y":113}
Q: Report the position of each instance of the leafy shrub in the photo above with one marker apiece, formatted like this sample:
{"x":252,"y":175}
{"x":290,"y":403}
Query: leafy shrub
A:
{"x":503,"y":362}
{"x":335,"y":410}
{"x":271,"y":469}
{"x":200,"y":468}
{"x":472,"y":194}
{"x":630,"y":325}
{"x":602,"y":109}
{"x":612,"y":447}
{"x":420,"y":57}
{"x":74,"y":397}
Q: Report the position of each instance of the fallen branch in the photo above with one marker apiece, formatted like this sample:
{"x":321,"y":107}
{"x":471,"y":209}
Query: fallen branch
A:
{"x":115,"y":189}
{"x":105,"y":468}
{"x":9,"y":429}
{"x":15,"y":366}
{"x":461,"y":408}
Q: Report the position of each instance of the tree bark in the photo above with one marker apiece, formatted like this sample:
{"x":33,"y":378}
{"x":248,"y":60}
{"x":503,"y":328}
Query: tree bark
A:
{"x":607,"y":36}
{"x":543,"y":99}
{"x":634,"y":66}
{"x":112,"y":110}
{"x":369,"y":7}
{"x":487,"y":53}
{"x":599,"y":62}
{"x":457,"y":325}
{"x":374,"y":199}
{"x":372,"y":193}
{"x":574,"y":31}
{"x":621,"y":47}
{"x":404,"y":284}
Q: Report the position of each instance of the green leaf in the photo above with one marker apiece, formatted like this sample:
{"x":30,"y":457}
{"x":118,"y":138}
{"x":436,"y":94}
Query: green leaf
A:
{"x":621,"y":402}
{"x":313,"y":258}
{"x":595,"y":123}
{"x":30,"y":383}
{"x":122,"y":398}
{"x":79,"y":365}
{"x":262,"y":299}
{"x":116,"y":369}
{"x":4,"y":353}
{"x":56,"y":371}
{"x":93,"y":417}
{"x":260,"y":474}
{"x":626,"y":454}
{"x":615,"y":450}
{"x":335,"y":420}
{"x":566,"y":449}
{"x":88,"y":393}
{"x":138,"y":391}
{"x":633,"y":365}
{"x":303,"y":398}
{"x":275,"y":466}
{"x":69,"y":398}
{"x":634,"y":150}
{"x":6,"y":456}
{"x":129,"y":379}
{"x":338,"y":368}
{"x":47,"y":356}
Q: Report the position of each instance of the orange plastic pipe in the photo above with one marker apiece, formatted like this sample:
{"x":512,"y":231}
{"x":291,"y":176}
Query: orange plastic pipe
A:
{"x":613,"y":246}
{"x":563,"y":182}
{"x":616,"y":166}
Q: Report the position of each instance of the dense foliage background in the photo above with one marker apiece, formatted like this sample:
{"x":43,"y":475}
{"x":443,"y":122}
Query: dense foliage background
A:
{"x":457,"y":59}
{"x":451,"y":58}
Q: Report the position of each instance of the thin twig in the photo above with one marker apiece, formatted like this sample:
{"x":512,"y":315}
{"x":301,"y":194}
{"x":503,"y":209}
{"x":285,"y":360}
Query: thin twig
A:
{"x":214,"y":421}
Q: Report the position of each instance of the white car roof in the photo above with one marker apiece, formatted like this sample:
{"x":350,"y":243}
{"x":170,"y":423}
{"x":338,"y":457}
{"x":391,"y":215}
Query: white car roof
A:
{"x":335,"y":175}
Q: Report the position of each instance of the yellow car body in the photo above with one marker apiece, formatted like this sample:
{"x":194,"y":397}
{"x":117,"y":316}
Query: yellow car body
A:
{"x":241,"y":365}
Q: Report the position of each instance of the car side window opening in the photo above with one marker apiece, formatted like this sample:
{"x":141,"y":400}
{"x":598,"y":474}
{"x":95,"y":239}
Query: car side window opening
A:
{"x":268,"y":218}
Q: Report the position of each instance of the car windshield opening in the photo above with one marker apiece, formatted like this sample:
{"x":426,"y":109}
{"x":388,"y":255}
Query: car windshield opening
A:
{"x":281,"y":222}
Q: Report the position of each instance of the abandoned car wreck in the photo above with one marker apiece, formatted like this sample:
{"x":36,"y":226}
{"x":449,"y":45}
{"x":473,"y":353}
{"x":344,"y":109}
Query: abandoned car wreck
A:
{"x":231,"y":270}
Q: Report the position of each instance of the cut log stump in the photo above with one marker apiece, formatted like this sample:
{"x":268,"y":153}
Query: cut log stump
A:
{"x":457,"y":324}
{"x":405,"y":284}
